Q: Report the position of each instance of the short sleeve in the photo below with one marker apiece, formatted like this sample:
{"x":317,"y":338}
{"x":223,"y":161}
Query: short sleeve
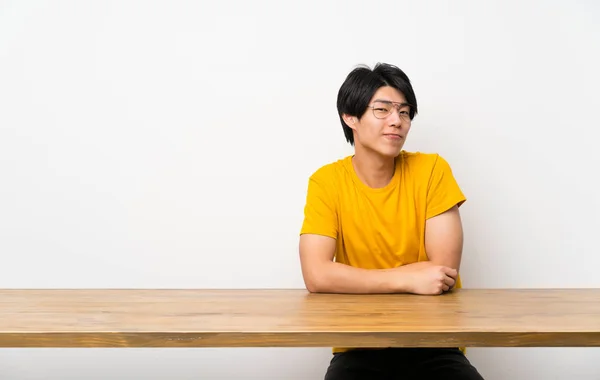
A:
{"x":320,"y":215}
{"x":443,"y":192}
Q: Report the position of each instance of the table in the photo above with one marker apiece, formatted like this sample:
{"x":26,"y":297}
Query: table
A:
{"x":296,"y":318}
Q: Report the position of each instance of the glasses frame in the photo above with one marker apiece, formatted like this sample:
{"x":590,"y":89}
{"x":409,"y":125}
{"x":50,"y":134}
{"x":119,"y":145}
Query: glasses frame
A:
{"x":397,"y":106}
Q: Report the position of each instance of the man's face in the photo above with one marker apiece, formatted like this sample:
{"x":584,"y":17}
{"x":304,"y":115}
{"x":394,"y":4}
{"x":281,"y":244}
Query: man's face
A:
{"x":384,"y":126}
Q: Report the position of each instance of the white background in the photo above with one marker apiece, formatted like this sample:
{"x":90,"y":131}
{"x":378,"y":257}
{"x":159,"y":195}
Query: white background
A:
{"x":168,"y":144}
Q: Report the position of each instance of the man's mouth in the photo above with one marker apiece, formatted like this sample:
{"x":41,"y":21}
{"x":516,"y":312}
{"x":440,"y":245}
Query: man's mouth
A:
{"x":393,"y":136}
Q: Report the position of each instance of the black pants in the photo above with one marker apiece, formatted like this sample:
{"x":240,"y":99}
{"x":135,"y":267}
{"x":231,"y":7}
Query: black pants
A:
{"x":402,"y":364}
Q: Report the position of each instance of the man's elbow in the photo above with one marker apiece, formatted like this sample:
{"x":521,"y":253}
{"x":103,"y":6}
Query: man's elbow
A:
{"x":316,"y":256}
{"x":312,"y":287}
{"x":314,"y":284}
{"x":315,"y":280}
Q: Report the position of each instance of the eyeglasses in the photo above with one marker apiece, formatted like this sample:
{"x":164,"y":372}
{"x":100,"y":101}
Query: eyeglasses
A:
{"x":382,"y":109}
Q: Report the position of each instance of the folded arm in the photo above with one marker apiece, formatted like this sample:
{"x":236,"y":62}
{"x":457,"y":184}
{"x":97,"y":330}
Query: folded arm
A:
{"x":443,"y":243}
{"x":321,"y":274}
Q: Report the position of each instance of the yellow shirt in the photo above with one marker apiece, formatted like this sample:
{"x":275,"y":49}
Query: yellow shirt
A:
{"x":380,"y":228}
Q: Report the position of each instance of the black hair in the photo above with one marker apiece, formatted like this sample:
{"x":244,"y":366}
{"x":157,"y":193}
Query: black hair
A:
{"x":360,"y":86}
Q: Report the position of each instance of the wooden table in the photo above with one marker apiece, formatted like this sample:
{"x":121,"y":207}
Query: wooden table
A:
{"x":296,"y":318}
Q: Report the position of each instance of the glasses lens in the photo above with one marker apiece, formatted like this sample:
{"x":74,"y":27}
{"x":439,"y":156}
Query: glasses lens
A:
{"x":404,"y":113}
{"x":381,"y":109}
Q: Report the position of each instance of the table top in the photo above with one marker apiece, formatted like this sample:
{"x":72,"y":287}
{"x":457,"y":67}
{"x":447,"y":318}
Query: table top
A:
{"x":296,"y":318}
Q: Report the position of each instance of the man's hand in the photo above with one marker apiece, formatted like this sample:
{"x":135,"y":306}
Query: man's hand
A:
{"x":426,"y":278}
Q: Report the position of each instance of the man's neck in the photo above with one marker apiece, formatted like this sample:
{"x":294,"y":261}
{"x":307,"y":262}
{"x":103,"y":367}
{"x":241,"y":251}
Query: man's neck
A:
{"x":373,"y":170}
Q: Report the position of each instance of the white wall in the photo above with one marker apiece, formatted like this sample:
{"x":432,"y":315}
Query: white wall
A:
{"x":168,"y":144}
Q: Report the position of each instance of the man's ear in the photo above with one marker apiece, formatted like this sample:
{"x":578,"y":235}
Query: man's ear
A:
{"x":349,"y":120}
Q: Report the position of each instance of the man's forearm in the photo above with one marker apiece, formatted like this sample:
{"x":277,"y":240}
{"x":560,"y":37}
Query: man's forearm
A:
{"x":335,"y":277}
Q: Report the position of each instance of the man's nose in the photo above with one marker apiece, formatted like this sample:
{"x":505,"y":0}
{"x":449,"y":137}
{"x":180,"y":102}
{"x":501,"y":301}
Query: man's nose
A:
{"x":395,"y":117}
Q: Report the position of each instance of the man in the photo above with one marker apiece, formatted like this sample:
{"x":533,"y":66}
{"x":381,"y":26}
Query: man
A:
{"x":384,"y":221}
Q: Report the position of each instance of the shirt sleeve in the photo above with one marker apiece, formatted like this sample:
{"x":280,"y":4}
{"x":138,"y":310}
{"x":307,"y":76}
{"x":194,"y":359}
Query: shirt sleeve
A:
{"x":320,"y":215}
{"x":443,"y":192}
